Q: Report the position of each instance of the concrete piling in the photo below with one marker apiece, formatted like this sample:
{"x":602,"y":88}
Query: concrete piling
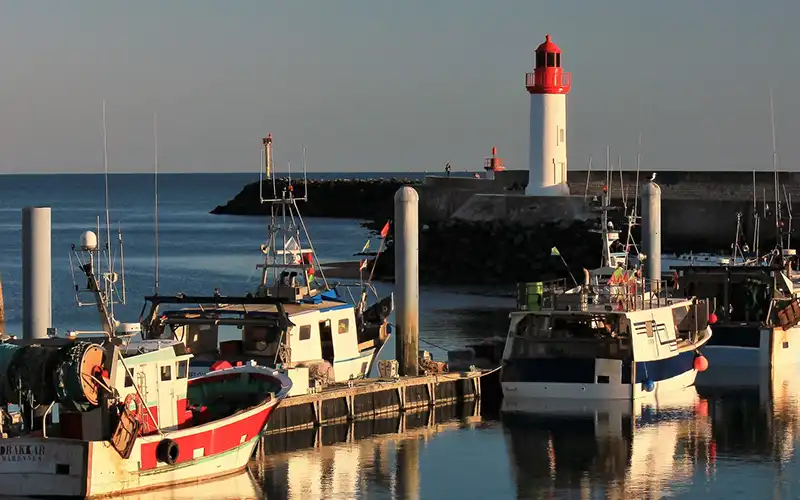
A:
{"x":651,"y":232}
{"x":36,"y":273}
{"x":406,"y":272}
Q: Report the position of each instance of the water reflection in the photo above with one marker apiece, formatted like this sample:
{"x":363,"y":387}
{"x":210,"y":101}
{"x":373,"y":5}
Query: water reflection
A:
{"x":344,"y":462}
{"x":240,"y":487}
{"x":611,"y":449}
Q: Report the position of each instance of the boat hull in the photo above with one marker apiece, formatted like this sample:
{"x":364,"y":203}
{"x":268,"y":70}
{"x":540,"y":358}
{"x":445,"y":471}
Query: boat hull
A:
{"x":769,"y":347}
{"x":514,"y":393}
{"x":36,"y":466}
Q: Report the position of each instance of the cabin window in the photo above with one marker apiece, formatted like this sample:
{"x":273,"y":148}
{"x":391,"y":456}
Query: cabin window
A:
{"x":305,"y":332}
{"x":182,"y":368}
{"x":344,"y":325}
{"x":551,"y":60}
{"x":129,"y":378}
{"x":166,"y":372}
{"x":540,"y":59}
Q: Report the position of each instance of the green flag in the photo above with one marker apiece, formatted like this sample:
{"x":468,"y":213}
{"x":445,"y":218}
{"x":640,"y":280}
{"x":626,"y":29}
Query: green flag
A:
{"x":554,"y":252}
{"x":366,"y":246}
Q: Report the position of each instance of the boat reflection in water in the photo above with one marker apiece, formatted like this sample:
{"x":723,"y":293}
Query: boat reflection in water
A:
{"x":614,"y":449}
{"x":754,"y":411}
{"x":350,"y":461}
{"x":241,"y":486}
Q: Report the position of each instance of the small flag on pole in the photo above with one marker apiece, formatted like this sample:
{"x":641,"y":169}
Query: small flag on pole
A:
{"x":366,"y":246}
{"x":554,"y":252}
{"x":385,"y":230}
{"x":363,"y":265}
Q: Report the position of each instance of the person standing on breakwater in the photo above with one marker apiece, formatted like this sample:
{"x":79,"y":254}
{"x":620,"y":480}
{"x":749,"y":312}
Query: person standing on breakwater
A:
{"x":447,"y":169}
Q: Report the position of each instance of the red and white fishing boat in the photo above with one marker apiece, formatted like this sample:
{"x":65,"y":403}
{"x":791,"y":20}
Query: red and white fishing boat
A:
{"x":128,"y":419}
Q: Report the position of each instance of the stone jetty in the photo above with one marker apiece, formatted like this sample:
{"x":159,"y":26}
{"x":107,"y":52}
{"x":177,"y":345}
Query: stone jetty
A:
{"x":487,"y":232}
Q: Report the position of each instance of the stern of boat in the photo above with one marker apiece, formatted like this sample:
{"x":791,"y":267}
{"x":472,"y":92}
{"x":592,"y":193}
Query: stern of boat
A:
{"x":45,"y":467}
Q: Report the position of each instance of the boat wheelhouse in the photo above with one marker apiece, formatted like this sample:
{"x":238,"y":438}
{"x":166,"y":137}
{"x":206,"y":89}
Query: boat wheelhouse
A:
{"x":323,"y":333}
{"x":592,"y":342}
{"x":128,"y":419}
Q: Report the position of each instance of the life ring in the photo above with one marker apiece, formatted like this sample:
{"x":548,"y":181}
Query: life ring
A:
{"x":138,"y":412}
{"x":167,"y":451}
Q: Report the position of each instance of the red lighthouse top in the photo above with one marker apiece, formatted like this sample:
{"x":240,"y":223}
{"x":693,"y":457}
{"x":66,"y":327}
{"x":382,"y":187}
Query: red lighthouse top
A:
{"x":548,"y":76}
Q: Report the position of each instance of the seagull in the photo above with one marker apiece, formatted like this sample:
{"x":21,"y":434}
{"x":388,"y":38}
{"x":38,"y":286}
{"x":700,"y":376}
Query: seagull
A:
{"x":653,"y":177}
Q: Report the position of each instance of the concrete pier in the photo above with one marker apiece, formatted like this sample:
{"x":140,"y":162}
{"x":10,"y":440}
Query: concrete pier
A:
{"x":406,"y":264}
{"x":651,"y":231}
{"x":36,"y":273}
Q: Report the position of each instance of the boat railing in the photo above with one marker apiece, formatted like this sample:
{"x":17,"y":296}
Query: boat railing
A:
{"x":622,"y":295}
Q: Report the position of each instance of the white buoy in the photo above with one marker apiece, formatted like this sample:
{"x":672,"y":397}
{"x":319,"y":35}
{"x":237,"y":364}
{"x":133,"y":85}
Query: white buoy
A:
{"x":651,"y":230}
{"x":406,"y":276}
{"x":36,"y":273}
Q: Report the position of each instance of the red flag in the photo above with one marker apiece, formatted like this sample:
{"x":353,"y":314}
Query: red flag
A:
{"x":385,"y":230}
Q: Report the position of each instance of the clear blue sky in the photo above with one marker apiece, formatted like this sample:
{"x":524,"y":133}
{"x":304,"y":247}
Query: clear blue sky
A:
{"x":391,"y":85}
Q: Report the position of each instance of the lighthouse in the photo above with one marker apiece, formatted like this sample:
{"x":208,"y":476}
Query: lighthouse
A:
{"x":548,"y":86}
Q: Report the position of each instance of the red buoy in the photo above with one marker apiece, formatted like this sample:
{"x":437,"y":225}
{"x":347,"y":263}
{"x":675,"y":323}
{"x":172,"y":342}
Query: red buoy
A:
{"x":712,"y":318}
{"x":700,"y":363}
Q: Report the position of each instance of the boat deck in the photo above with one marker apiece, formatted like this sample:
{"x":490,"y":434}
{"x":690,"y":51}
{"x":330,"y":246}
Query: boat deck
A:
{"x":574,"y":307}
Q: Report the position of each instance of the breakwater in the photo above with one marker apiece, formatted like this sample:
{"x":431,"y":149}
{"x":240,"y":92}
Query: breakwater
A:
{"x":369,"y":199}
{"x":481,"y":231}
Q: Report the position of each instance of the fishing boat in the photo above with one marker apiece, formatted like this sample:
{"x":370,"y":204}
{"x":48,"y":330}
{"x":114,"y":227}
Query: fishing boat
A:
{"x":617,"y":336}
{"x":295,"y":318}
{"x":756,"y":310}
{"x":128,"y":418}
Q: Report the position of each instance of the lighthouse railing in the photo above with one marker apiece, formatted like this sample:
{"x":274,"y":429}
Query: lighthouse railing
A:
{"x":548,"y":79}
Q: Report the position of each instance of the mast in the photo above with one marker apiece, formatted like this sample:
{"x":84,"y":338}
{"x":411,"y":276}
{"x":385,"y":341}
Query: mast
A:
{"x":778,"y":232}
{"x":155,"y":197}
{"x":107,"y":281}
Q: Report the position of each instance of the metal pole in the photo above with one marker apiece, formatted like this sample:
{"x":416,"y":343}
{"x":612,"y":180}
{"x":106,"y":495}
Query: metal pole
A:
{"x":651,"y":232}
{"x":2,"y":310}
{"x":406,"y":264}
{"x":36,"y":273}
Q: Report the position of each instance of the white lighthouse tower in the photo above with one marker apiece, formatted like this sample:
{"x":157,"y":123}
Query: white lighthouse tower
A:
{"x":548,"y":86}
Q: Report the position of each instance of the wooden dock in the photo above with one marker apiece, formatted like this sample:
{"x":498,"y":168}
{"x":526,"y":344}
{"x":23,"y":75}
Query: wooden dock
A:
{"x":371,"y":398}
{"x":423,"y":421}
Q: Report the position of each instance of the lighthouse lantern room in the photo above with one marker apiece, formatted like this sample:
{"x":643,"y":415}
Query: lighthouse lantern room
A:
{"x":548,"y":86}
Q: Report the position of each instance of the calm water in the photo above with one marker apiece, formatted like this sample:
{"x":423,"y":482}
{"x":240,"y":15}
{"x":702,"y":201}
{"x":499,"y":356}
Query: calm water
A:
{"x":708,"y":442}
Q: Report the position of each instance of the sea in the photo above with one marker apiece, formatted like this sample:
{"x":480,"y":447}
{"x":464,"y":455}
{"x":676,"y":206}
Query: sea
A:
{"x":730,"y":438}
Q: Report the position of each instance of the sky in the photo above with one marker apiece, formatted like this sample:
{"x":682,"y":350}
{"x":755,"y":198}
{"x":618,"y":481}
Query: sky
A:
{"x":390,"y":85}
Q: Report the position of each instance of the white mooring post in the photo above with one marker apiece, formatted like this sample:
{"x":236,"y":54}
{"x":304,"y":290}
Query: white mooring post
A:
{"x":406,"y":275}
{"x":36,"y":273}
{"x":651,"y":233}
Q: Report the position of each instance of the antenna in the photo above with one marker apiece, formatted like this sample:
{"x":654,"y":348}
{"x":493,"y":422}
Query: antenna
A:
{"x":775,"y":169}
{"x":108,"y":223}
{"x":155,"y":190}
{"x":305,"y":176}
{"x":588,"y":176}
{"x":121,"y":261}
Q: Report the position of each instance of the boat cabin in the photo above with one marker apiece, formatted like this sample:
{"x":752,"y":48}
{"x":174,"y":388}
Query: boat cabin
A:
{"x":272,"y":331}
{"x":738,"y":294}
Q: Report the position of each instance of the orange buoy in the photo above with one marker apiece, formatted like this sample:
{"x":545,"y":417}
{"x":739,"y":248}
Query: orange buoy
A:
{"x":712,"y":318}
{"x":700,"y":363}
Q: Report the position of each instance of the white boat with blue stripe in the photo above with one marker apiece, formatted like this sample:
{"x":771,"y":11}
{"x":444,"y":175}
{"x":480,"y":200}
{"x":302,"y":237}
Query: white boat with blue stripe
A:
{"x":594,"y":342}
